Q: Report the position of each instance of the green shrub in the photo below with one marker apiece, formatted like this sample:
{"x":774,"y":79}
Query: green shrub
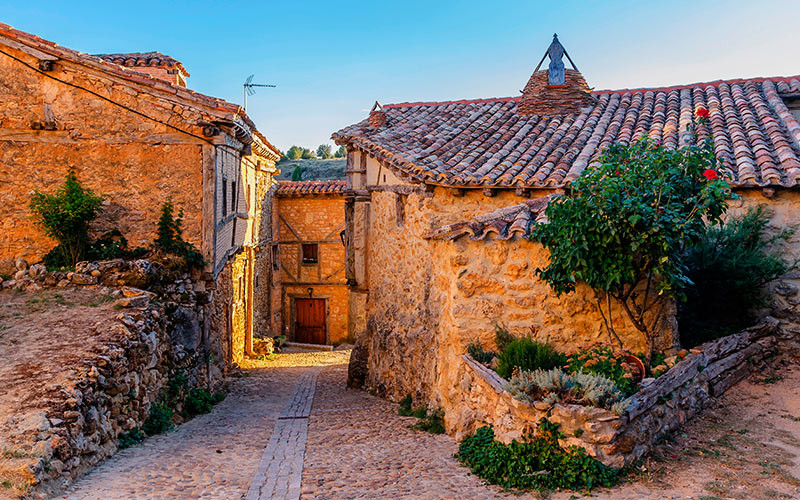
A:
{"x":113,"y":245}
{"x":625,"y":224}
{"x":405,"y":407}
{"x":728,"y":269}
{"x":131,"y":438}
{"x":555,"y":386}
{"x":476,"y":352}
{"x":297,"y":173}
{"x":538,"y":463}
{"x":159,"y":420}
{"x":527,"y":354}
{"x":199,"y":401}
{"x":65,"y":216}
{"x":170,"y":237}
{"x":502,"y":337}
{"x":430,"y":421}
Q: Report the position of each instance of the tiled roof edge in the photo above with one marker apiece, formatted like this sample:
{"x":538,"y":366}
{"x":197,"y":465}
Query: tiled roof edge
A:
{"x":311,"y":188}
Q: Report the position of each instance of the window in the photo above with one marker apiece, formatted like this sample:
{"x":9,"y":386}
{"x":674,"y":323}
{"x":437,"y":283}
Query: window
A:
{"x":233,"y":196}
{"x":310,"y":253}
{"x":276,"y":263}
{"x":224,"y":196}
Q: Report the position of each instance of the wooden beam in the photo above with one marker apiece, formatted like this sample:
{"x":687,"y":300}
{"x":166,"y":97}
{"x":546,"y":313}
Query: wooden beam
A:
{"x":290,"y":228}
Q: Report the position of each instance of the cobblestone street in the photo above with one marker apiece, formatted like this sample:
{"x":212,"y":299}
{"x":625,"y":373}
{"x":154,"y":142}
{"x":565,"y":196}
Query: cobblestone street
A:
{"x":267,"y":440}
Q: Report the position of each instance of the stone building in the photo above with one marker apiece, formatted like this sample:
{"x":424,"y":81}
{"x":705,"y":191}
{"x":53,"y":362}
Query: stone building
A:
{"x":310,"y":302}
{"x":131,"y":130}
{"x":441,"y":197}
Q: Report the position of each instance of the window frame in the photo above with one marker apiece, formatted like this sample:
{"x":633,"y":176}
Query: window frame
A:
{"x":311,"y":260}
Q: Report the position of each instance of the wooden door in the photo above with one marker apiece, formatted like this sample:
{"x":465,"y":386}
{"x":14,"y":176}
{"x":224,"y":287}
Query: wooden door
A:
{"x":309,"y":324}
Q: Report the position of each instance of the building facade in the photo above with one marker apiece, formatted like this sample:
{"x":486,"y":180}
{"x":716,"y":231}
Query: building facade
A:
{"x":441,"y":197}
{"x":310,"y":302}
{"x":131,"y":131}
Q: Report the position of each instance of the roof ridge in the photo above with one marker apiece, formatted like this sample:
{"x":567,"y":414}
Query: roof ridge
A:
{"x":756,"y":79}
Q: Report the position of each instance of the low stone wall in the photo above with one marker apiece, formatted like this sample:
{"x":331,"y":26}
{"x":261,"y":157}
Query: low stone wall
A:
{"x":157,"y":334}
{"x":657,"y":409}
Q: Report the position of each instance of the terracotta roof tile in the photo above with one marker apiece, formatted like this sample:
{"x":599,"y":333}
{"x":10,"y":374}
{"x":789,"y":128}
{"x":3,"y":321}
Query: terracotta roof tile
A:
{"x":486,"y":143}
{"x":310,"y":188}
{"x":134,"y":59}
{"x":504,"y":224}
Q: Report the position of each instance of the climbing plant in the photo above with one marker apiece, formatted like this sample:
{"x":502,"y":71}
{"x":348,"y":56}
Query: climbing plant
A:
{"x":625,"y":224}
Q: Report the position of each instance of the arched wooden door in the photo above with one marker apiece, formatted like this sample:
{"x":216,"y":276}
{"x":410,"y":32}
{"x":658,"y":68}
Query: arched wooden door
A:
{"x":309,"y":324}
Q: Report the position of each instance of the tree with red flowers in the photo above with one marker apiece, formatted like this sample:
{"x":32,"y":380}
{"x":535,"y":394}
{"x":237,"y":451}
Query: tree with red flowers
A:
{"x":625,"y":224}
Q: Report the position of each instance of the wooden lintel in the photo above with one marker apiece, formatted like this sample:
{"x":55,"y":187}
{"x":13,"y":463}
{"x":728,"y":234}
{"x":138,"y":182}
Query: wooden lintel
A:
{"x":399,"y":188}
{"x":317,"y":242}
{"x":38,"y":54}
{"x":489,"y":192}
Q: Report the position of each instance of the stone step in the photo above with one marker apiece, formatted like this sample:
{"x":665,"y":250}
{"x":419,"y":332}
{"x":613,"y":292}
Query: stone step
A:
{"x":307,"y":347}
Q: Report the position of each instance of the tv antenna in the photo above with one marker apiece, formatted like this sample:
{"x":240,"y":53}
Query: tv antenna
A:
{"x":249,"y":88}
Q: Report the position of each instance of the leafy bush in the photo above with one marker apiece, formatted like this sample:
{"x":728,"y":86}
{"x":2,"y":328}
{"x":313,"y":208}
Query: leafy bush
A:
{"x":113,"y":245}
{"x":728,"y":269}
{"x":430,"y":421}
{"x":159,"y":420}
{"x":65,"y":216}
{"x":603,"y":360}
{"x":476,"y":352}
{"x":297,"y":173}
{"x":555,"y":386}
{"x":538,"y":463}
{"x":199,"y":401}
{"x":527,"y":354}
{"x":625,"y":224}
{"x":131,"y":438}
{"x":502,"y":337}
{"x":170,"y":237}
{"x":405,"y":407}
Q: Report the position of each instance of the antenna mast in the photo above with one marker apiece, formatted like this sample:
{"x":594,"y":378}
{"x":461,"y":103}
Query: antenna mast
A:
{"x":249,"y":89}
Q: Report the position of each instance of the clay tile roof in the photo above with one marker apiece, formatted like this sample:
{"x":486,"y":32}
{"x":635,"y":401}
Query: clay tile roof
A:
{"x":310,"y":188}
{"x":133,"y":59}
{"x":504,"y":224}
{"x":487,"y":143}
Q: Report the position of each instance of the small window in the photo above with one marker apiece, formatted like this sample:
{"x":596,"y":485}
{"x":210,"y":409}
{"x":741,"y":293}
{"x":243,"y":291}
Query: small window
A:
{"x":276,"y":263}
{"x":310,"y":253}
{"x":233,"y":196}
{"x":224,"y":197}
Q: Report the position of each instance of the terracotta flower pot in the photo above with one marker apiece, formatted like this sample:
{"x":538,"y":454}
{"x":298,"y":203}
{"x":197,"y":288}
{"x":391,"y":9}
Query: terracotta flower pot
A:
{"x":639,"y":370}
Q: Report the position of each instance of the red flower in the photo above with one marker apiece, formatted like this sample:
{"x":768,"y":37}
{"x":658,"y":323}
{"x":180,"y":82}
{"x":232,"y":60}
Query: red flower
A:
{"x":710,"y":174}
{"x":701,"y":113}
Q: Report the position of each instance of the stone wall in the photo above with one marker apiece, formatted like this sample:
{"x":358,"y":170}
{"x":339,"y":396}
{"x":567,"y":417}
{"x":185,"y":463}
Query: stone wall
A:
{"x":137,"y":163}
{"x":478,"y":398}
{"x":157,"y":334}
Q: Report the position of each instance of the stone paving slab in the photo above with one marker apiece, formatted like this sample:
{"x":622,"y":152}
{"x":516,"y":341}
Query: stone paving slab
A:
{"x":281,"y":470}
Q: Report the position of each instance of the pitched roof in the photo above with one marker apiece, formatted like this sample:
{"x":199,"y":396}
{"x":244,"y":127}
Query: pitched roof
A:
{"x":506,"y":223}
{"x":310,"y":188}
{"x":227,"y":110}
{"x":486,"y":143}
{"x":133,"y":59}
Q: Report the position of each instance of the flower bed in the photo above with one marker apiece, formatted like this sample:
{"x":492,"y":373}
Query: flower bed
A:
{"x":656,"y":409}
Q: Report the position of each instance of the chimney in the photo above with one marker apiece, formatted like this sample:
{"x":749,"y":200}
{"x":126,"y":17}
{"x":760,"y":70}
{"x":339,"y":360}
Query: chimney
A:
{"x":377,"y":117}
{"x":556,"y":90}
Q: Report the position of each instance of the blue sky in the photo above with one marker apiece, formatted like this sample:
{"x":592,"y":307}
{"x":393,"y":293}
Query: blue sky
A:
{"x":331,"y":61}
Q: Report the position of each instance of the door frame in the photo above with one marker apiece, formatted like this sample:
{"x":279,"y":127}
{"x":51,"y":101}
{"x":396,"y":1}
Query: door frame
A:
{"x":293,"y":313}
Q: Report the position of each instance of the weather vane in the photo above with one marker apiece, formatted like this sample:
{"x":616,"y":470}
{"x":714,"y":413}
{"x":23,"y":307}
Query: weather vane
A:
{"x":250,"y":90}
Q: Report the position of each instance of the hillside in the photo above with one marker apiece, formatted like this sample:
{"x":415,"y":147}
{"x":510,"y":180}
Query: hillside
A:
{"x":313,"y":169}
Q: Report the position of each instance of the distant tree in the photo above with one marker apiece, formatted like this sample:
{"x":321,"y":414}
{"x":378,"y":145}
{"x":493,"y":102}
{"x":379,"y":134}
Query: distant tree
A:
{"x":307,"y":154}
{"x":297,"y":173}
{"x":324,"y":151}
{"x":341,"y":152}
{"x":283,"y":159}
{"x":294,"y":153}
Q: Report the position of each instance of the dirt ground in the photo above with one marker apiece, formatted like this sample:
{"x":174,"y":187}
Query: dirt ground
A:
{"x":44,"y":336}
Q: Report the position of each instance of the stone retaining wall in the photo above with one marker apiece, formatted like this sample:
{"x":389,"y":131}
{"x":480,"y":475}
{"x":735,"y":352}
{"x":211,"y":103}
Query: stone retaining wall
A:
{"x":156,"y":335}
{"x":657,"y":409}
